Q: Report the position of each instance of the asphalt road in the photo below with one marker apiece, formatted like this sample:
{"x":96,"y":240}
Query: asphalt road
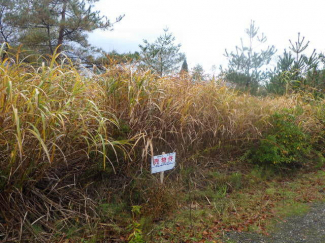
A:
{"x":307,"y":228}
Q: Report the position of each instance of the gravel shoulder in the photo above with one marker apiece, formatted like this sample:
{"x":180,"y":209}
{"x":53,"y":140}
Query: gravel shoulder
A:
{"x":307,"y":228}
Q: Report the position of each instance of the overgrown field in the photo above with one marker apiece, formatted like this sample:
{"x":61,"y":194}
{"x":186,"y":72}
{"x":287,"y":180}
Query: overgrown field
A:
{"x":75,"y":149}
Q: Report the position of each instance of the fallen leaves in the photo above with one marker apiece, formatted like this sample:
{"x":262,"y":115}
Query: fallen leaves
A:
{"x":248,"y":210}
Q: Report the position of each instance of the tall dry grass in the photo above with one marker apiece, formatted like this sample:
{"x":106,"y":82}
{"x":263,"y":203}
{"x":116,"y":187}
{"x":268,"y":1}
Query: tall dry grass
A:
{"x":176,"y":114}
{"x":57,"y":124}
{"x":54,"y":122}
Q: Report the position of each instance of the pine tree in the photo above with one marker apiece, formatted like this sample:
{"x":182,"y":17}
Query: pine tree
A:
{"x":47,"y":25}
{"x":244,"y":65}
{"x":295,"y":70}
{"x":302,"y":63}
{"x":8,"y":31}
{"x":163,"y":56}
{"x":184,"y":68}
{"x":198,"y":73}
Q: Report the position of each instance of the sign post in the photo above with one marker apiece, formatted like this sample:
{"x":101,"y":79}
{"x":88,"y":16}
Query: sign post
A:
{"x":162,"y":173}
{"x":161,"y":163}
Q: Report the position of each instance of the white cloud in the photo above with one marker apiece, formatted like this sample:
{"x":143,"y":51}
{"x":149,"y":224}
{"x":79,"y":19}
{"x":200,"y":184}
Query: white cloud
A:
{"x":205,"y":28}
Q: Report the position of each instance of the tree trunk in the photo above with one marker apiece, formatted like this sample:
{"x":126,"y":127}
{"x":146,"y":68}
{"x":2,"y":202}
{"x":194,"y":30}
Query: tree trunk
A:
{"x":49,"y":36}
{"x":62,"y":27}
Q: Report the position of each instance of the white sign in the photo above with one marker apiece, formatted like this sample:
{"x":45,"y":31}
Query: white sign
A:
{"x":163,"y":162}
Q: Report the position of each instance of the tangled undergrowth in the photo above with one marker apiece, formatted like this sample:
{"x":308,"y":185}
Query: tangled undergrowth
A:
{"x":71,"y":143}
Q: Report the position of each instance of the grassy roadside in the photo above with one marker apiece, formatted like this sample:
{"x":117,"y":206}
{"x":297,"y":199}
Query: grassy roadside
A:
{"x":254,"y":203}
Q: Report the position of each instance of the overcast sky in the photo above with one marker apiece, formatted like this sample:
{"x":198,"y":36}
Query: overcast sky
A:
{"x":206,"y":27}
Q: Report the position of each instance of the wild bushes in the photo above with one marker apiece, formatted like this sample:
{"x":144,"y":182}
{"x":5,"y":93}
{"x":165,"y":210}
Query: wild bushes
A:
{"x":295,"y":136}
{"x":60,"y":130}
{"x":285,"y":145}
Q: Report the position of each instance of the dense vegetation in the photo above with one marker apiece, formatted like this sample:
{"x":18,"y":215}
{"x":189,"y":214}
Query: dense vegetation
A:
{"x":72,"y":146}
{"x":78,"y":131}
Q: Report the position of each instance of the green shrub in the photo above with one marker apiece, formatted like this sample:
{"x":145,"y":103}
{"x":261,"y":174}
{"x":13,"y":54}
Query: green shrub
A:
{"x":136,"y":235}
{"x":285,"y":145}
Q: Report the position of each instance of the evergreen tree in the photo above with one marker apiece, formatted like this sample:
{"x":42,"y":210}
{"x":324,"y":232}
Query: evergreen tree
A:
{"x":295,"y":70}
{"x":8,"y":31}
{"x":63,"y":24}
{"x":198,"y":73}
{"x":302,"y":63}
{"x":244,"y":65}
{"x":163,"y":56}
{"x":184,"y":68}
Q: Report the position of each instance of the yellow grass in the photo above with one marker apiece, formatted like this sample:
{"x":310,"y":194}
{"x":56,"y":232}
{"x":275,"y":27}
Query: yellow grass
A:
{"x":52,"y":117}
